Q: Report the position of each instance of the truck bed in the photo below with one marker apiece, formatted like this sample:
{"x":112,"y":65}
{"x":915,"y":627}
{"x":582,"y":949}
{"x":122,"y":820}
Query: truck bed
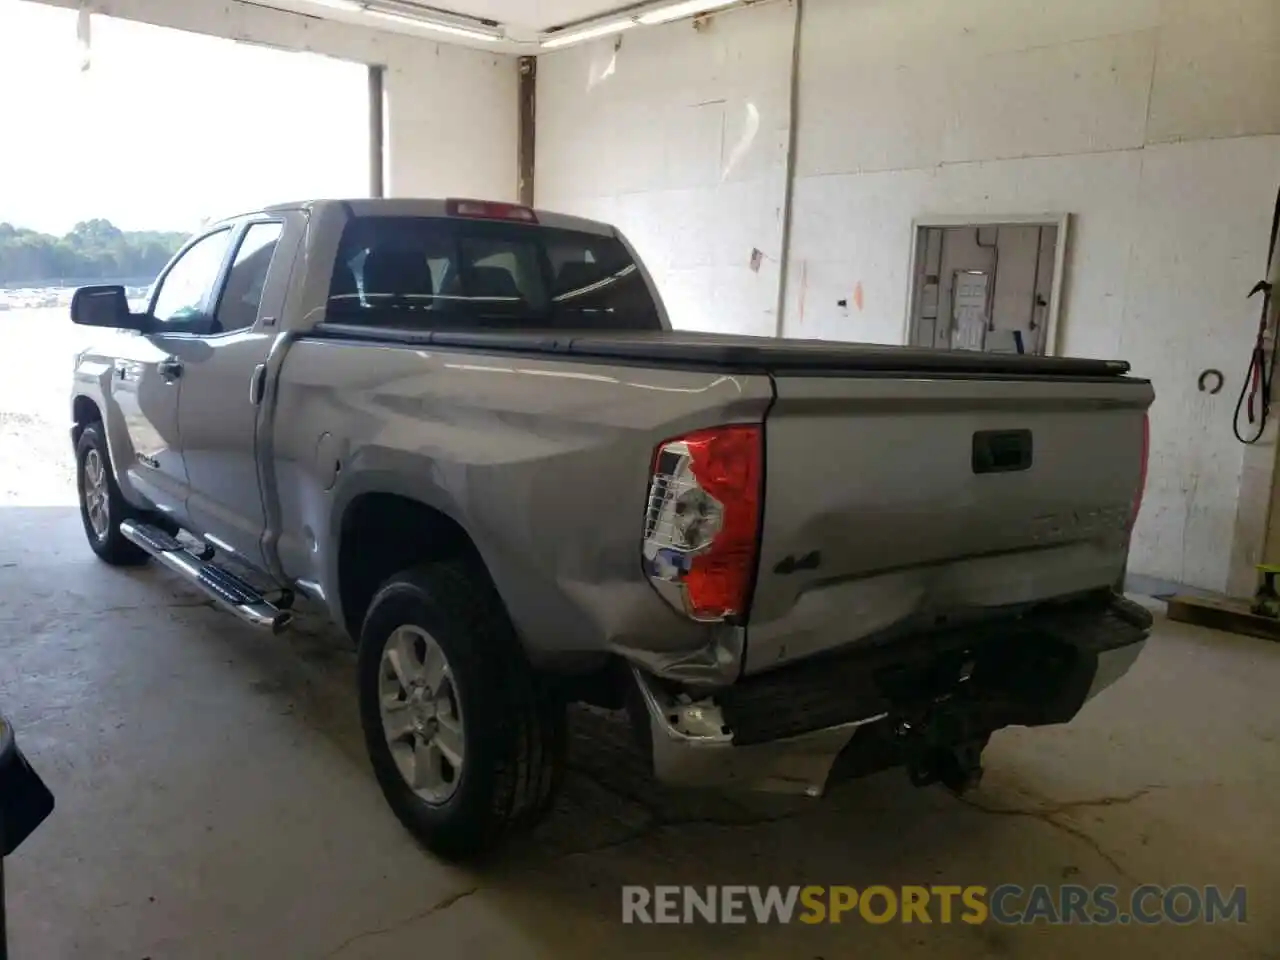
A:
{"x":747,"y":354}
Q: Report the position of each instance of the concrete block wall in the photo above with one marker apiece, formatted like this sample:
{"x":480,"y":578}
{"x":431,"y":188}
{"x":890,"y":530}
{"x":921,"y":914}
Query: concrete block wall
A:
{"x":451,"y":111}
{"x":1155,"y":123}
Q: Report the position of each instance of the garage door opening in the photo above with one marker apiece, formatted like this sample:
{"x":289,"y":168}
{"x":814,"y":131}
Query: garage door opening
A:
{"x":989,"y":284}
{"x":126,"y":138}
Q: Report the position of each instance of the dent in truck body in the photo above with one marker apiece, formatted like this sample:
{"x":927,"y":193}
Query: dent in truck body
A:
{"x":543,"y":463}
{"x":927,"y":699}
{"x":905,"y":528}
{"x":690,"y":747}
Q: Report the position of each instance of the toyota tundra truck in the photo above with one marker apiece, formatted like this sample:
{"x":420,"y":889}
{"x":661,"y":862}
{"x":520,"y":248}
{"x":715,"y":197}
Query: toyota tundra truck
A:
{"x":468,"y":430}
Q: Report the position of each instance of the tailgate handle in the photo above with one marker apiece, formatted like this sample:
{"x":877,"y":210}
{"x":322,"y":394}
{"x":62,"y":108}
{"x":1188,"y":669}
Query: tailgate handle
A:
{"x":1001,"y":451}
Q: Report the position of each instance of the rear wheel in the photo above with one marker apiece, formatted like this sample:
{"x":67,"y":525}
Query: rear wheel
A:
{"x":102,"y":505}
{"x":468,"y":744}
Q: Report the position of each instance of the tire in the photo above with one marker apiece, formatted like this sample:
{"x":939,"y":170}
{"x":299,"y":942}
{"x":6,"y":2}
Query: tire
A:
{"x":512,"y":726}
{"x":94,"y":460}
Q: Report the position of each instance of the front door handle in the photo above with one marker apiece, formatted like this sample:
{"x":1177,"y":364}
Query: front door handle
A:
{"x":170,"y":370}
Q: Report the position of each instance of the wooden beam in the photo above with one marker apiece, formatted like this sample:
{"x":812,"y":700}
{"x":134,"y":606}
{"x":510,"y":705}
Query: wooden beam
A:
{"x":1223,"y":613}
{"x":527,"y":132}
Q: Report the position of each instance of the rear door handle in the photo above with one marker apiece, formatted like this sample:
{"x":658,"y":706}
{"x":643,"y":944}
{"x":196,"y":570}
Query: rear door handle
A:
{"x":170,"y":370}
{"x":256,"y":383}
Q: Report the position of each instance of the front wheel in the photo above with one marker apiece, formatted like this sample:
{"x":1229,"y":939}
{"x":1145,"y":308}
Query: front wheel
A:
{"x":467,"y":743}
{"x":102,"y":505}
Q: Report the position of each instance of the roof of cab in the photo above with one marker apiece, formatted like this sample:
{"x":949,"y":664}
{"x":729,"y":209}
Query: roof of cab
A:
{"x":430,"y":207}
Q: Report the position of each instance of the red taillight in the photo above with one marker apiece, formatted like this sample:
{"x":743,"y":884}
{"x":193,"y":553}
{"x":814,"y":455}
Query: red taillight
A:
{"x":703,"y":519}
{"x":1142,"y":470}
{"x":490,"y":210}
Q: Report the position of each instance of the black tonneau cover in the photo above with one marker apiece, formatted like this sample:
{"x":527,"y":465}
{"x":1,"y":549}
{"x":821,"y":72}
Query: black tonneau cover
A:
{"x":738,"y":352}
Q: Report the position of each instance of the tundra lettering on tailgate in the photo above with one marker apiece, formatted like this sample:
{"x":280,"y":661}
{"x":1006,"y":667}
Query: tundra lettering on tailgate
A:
{"x":1080,"y":524}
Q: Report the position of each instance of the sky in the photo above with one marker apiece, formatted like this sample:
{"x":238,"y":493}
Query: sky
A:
{"x":166,"y":128}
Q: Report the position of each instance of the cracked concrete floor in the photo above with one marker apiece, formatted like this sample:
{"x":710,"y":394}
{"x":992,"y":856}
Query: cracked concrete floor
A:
{"x":214,"y":801}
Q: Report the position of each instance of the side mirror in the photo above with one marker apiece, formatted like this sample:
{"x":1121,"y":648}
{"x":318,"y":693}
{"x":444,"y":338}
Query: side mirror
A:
{"x":104,"y":306}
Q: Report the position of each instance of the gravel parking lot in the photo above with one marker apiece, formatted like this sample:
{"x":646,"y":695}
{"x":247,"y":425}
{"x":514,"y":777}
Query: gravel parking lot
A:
{"x":39,"y":346}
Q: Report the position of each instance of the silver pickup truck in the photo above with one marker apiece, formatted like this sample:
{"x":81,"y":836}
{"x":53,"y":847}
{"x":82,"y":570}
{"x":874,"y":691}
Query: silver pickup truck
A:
{"x":467,"y":429}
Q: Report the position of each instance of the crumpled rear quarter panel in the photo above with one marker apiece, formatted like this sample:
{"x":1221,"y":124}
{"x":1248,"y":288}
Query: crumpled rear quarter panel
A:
{"x":544,"y":462}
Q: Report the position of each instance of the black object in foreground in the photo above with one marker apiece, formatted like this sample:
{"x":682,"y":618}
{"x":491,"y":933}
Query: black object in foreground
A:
{"x":25,"y":802}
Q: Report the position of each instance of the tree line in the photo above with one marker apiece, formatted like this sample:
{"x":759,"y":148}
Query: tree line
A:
{"x":93,"y":250}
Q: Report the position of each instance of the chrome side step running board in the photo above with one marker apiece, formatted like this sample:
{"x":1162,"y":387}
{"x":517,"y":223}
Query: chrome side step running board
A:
{"x":224,"y":587}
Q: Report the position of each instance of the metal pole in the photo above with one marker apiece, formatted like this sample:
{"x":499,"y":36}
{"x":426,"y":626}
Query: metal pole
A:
{"x":377,"y":132}
{"x":789,"y":174}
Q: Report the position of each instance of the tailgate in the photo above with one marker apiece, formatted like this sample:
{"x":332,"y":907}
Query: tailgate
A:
{"x":900,"y":503}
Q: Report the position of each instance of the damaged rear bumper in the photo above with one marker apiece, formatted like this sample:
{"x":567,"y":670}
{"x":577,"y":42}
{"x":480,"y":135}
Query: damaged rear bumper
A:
{"x":798,"y":728}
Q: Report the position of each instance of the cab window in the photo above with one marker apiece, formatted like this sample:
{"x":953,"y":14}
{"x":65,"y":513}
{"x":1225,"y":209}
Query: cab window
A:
{"x":185,"y":294}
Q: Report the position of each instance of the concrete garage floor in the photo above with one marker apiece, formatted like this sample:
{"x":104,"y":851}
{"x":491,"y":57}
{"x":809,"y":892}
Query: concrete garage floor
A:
{"x":214,"y":801}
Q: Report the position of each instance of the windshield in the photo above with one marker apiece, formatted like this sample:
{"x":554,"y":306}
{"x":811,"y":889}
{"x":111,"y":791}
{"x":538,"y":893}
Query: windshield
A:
{"x":435,"y":273}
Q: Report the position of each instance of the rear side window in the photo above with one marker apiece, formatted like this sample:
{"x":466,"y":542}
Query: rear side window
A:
{"x":242,"y":295}
{"x":439,"y":273}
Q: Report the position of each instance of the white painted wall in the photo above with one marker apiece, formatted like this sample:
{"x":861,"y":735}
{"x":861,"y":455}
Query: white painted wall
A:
{"x":451,"y":111}
{"x":452,"y":117}
{"x":1104,"y":110}
{"x":1156,"y":123}
{"x":679,"y":136}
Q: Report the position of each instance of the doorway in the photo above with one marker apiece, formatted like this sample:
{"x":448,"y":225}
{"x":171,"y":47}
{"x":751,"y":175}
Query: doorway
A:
{"x":989,"y":284}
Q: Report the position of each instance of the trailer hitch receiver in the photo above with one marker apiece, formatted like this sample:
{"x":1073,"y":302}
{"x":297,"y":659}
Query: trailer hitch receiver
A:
{"x":940,"y":749}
